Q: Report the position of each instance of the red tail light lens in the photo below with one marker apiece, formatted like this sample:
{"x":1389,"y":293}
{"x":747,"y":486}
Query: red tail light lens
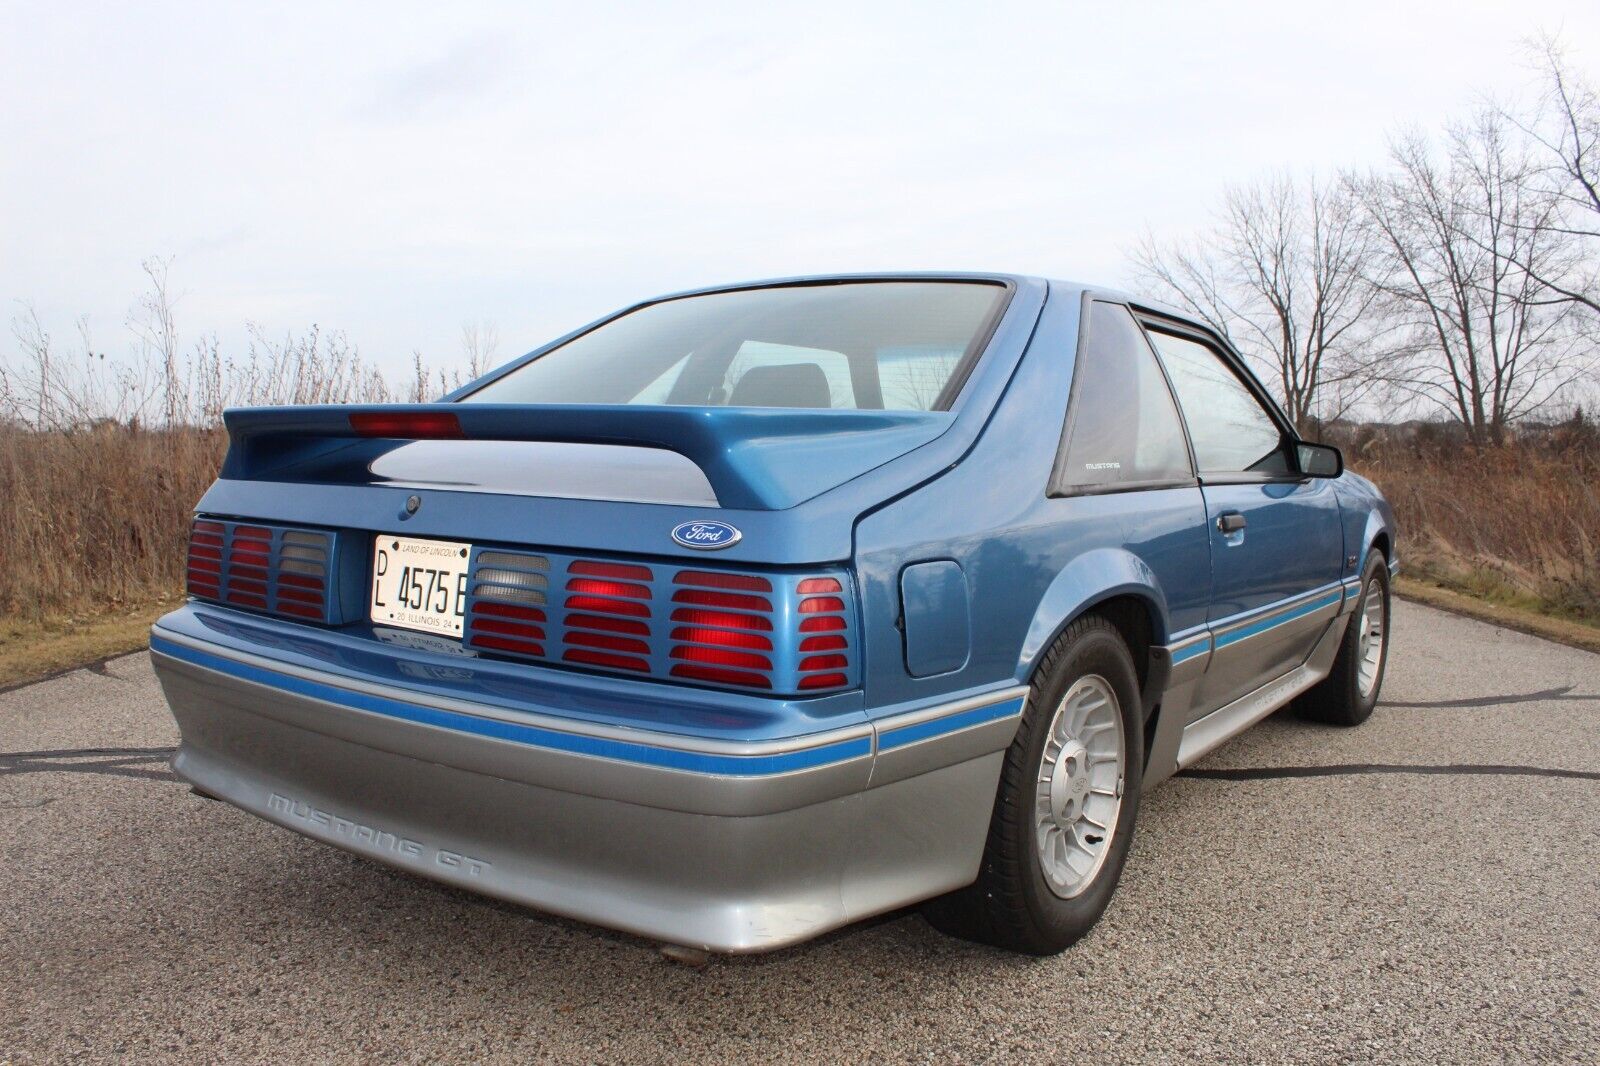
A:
{"x":733,"y":601}
{"x":761,"y":633}
{"x":606,"y":640}
{"x":595,"y":603}
{"x":715,"y":580}
{"x":607,"y":623}
{"x":724,"y":637}
{"x":510,"y":610}
{"x":722,"y":618}
{"x":620,"y":571}
{"x":821,"y":604}
{"x":620,"y":589}
{"x":721,"y":657}
{"x":606,"y":659}
{"x":509,"y":629}
{"x":203,"y":574}
{"x":825,"y":659}
{"x":280,"y":571}
{"x":741,"y":678}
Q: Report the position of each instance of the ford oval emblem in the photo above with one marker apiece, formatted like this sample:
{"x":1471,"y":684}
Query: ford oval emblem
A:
{"x":706,"y":536}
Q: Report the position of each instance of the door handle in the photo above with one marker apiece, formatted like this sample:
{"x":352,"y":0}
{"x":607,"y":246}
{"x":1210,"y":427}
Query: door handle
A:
{"x":1232,"y":522}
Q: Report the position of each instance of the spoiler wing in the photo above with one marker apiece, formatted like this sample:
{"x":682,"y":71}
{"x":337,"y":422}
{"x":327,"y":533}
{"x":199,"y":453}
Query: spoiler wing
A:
{"x":755,"y":458}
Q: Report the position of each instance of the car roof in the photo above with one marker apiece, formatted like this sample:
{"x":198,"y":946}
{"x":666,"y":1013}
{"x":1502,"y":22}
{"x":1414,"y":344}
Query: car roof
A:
{"x":1057,"y":286}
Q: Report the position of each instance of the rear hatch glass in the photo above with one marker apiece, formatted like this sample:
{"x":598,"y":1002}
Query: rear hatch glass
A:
{"x":887,"y":345}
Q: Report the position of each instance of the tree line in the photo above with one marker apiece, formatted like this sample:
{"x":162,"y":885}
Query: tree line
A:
{"x":1460,"y":279}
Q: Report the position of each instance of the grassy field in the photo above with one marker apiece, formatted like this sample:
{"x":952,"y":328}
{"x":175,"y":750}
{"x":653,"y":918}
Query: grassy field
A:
{"x":95,"y":524}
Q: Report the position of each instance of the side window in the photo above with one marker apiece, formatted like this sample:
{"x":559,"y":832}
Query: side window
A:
{"x":1231,"y":431}
{"x":1122,"y":427}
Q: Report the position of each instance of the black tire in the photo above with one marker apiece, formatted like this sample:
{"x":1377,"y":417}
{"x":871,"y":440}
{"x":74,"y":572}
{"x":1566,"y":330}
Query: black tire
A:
{"x":1011,"y":905}
{"x":1337,"y":698}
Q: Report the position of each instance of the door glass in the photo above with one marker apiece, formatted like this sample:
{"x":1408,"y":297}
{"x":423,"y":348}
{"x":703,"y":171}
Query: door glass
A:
{"x":1122,"y":428}
{"x":1231,"y":431}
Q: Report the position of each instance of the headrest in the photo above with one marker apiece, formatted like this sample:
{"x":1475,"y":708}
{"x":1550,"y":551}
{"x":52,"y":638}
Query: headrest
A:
{"x":789,"y":385}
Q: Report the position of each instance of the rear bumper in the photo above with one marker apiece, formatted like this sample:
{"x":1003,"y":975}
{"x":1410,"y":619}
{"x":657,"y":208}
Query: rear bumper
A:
{"x":728,"y":846}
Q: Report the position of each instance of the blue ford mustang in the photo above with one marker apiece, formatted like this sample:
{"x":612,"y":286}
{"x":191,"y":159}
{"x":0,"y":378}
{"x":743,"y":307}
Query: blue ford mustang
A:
{"x":748,"y":612}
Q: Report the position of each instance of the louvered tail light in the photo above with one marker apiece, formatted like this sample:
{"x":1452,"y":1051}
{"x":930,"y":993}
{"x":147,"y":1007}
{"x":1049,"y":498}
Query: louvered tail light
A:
{"x":608,"y":615}
{"x":204,"y":573}
{"x":770,"y":633}
{"x":272,"y":569}
{"x":507,"y":609}
{"x":722,"y":628}
{"x":823,"y":646}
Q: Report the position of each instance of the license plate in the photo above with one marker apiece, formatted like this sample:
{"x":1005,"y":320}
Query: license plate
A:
{"x":420,"y":584}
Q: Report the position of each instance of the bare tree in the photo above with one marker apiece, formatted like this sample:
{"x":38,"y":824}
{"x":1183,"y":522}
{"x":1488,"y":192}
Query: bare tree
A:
{"x":1465,"y":242}
{"x":1565,"y":136}
{"x":1282,"y":275}
{"x":480,"y":341}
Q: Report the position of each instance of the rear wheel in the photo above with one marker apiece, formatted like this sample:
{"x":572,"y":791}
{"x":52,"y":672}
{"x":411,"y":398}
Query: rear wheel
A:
{"x":1350,"y":691}
{"x":1068,"y":795}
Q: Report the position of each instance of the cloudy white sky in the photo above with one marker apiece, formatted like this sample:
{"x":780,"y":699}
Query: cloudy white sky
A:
{"x":397,"y":170}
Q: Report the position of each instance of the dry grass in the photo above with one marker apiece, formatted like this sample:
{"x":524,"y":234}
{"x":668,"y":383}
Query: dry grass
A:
{"x":32,"y":649}
{"x":1514,"y":525}
{"x":95,"y":520}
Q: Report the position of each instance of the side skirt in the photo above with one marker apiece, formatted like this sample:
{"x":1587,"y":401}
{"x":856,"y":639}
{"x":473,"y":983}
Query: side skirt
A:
{"x":1204,"y":735}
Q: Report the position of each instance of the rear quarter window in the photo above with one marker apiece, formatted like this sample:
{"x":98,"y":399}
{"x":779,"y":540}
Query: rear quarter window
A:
{"x":1122,"y":427}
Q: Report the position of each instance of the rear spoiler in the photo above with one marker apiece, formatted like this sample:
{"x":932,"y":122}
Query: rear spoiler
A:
{"x":755,"y":458}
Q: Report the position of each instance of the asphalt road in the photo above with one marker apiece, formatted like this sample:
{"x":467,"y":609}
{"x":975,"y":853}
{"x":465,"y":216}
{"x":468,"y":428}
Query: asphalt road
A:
{"x":1309,"y":895}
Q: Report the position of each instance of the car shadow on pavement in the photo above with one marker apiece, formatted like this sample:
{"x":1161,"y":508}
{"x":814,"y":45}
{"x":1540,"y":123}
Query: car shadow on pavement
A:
{"x":1549,"y":695}
{"x":145,"y":764}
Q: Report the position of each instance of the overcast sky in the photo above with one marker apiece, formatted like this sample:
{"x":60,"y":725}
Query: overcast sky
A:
{"x":397,"y":170}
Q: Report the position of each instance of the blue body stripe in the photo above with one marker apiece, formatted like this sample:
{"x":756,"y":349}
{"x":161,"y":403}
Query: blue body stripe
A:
{"x":910,"y":734}
{"x":535,"y":736}
{"x":1199,"y":647}
{"x":1329,"y":600}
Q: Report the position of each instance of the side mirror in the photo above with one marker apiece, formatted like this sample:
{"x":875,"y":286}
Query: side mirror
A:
{"x":1319,"y":460}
